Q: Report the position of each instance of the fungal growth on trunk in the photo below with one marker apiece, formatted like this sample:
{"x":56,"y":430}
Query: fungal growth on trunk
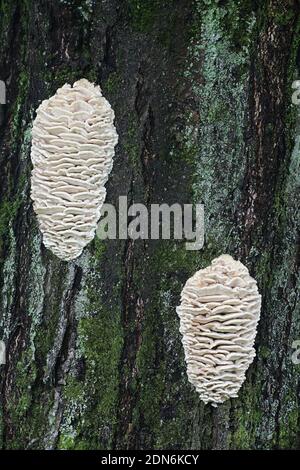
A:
{"x":73,"y":140}
{"x":219,"y":313}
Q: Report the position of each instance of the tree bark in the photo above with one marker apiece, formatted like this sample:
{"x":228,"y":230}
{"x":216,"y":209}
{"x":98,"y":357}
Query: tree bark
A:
{"x":202,"y":96}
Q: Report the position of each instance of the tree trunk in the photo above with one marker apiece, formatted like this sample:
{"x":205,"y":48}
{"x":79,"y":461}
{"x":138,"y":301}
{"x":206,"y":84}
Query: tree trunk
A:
{"x":202,"y":96}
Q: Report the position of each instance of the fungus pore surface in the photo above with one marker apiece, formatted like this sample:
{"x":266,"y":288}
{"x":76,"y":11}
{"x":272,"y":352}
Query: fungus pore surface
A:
{"x":219,"y":313}
{"x":73,"y":140}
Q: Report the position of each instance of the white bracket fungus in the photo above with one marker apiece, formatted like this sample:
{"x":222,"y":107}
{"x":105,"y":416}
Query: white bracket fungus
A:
{"x":73,"y":140}
{"x":219,"y":313}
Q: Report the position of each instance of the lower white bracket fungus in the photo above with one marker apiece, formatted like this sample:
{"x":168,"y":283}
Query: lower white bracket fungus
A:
{"x":219,"y":313}
{"x":73,"y":140}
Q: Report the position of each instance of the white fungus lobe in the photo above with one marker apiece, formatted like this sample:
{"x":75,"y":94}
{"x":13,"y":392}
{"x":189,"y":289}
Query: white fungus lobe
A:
{"x":219,"y":313}
{"x":73,"y":140}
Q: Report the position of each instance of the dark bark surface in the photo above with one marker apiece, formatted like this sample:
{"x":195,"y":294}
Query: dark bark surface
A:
{"x":202,"y":96}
